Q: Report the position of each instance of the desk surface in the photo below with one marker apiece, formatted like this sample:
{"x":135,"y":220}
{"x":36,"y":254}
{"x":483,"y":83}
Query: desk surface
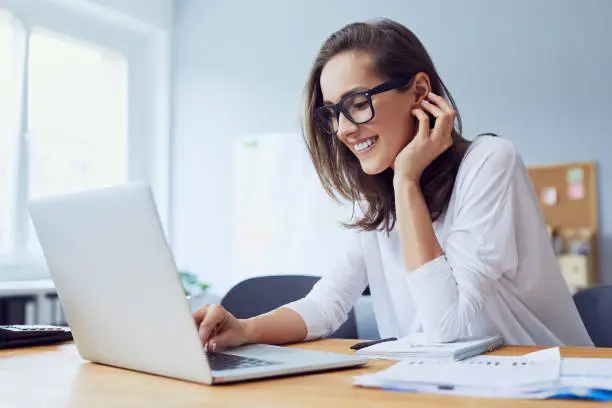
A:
{"x":56,"y":376}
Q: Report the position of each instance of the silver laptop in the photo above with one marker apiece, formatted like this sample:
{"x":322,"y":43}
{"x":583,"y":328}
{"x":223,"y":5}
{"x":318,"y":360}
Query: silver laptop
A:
{"x":123,"y":299}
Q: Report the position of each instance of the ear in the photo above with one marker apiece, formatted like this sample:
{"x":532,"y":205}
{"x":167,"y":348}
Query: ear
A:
{"x":421,"y":87}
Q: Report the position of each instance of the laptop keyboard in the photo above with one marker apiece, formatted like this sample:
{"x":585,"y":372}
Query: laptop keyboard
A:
{"x":220,"y":361}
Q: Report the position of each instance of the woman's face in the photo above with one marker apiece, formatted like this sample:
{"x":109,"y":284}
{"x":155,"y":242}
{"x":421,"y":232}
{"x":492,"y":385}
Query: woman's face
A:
{"x":375,"y":143}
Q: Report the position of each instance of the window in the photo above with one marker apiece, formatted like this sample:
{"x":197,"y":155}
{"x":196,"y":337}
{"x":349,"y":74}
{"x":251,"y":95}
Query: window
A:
{"x":76,"y":114}
{"x":69,"y":135}
{"x":7,"y":123}
{"x":84,"y":103}
{"x":81,"y":106}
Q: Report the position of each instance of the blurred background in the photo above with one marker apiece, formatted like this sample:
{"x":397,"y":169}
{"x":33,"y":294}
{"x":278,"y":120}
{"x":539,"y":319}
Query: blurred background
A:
{"x":201,"y":99}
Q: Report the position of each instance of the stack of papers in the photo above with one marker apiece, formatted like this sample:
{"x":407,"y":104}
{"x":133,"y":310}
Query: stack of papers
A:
{"x":538,"y":375}
{"x":589,"y":378}
{"x":415,"y":346}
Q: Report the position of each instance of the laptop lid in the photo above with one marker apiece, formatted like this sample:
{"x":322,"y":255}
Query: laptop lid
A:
{"x":117,"y":281}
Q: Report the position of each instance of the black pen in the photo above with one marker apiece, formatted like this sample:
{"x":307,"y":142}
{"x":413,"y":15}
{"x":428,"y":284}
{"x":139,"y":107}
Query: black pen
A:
{"x":365,"y":344}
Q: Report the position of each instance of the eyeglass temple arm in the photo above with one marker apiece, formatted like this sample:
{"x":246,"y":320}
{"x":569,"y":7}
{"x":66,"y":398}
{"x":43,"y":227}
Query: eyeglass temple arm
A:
{"x":392,"y":84}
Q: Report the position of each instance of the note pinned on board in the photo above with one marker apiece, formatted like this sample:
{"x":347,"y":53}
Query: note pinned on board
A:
{"x":575,"y":175}
{"x":548,"y":196}
{"x":575,"y":191}
{"x":575,"y":183}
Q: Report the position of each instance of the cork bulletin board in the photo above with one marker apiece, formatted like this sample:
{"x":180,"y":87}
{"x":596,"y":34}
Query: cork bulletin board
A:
{"x":568,"y":198}
{"x":567,"y":194}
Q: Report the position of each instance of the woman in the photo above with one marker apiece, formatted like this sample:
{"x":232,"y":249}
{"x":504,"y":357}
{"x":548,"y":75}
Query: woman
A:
{"x":451,"y":240}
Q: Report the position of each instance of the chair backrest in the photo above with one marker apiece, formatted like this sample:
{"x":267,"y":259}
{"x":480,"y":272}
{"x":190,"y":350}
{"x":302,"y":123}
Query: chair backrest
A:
{"x":366,"y":320}
{"x":595,"y":308}
{"x":261,"y":294}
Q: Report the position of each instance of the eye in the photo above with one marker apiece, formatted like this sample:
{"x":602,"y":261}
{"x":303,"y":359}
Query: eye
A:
{"x":327,"y":118}
{"x":358,"y":102}
{"x":324,"y":114}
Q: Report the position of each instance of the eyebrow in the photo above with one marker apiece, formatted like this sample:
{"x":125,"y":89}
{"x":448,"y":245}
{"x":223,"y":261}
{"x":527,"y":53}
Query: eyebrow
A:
{"x":347,"y":93}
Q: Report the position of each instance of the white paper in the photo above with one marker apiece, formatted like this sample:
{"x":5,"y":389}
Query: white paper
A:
{"x":531,"y":376}
{"x":533,"y":392}
{"x":545,"y":354}
{"x":583,"y":373}
{"x":494,"y":372}
{"x":587,"y":367}
{"x":467,"y":391}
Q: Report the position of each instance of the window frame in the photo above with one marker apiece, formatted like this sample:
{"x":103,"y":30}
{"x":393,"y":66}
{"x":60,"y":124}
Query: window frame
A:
{"x":146,"y":48}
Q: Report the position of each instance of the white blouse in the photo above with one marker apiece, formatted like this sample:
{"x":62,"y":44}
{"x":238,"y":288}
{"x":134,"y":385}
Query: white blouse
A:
{"x":498,"y":274}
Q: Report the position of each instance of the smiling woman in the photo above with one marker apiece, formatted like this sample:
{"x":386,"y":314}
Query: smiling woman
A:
{"x":450,"y":238}
{"x":353,"y":76}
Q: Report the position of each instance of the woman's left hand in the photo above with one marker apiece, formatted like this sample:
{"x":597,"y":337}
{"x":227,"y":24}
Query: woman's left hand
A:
{"x":428,"y":143}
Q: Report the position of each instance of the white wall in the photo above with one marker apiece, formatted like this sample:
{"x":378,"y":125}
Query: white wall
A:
{"x":156,"y":12}
{"x":145,"y":14}
{"x":536,"y":72}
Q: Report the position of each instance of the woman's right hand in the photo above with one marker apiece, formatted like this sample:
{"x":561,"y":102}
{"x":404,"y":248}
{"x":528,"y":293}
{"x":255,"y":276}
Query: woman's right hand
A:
{"x":218,"y":328}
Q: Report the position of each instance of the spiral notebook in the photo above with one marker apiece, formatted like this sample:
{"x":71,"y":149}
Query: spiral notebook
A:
{"x":415,"y":346}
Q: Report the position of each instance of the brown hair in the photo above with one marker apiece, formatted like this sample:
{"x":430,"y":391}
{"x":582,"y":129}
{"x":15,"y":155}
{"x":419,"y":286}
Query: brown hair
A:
{"x":395,"y":52}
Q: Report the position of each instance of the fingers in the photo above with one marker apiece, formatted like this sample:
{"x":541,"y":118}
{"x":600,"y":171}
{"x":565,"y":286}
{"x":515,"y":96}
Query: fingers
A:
{"x":431,"y":108}
{"x":221,"y":340}
{"x":445,"y":117}
{"x":423,"y":122}
{"x":199,"y":314}
{"x":441,"y":103}
{"x":214,"y":318}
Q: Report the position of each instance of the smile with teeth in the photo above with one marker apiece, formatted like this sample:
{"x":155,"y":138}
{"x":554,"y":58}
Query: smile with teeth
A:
{"x":365,"y":144}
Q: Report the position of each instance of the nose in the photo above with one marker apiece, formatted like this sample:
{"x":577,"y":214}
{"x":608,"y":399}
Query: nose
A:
{"x":345,"y":126}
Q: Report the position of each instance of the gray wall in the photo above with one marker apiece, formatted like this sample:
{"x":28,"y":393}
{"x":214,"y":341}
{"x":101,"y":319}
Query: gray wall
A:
{"x":536,"y":72}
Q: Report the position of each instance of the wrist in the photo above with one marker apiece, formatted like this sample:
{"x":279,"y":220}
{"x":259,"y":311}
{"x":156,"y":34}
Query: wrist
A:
{"x":406,"y":182}
{"x":250,"y":329}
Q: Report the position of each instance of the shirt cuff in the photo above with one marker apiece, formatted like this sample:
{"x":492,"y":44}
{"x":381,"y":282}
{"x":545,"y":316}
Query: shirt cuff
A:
{"x":315,"y":323}
{"x":431,"y":275}
{"x":431,"y":286}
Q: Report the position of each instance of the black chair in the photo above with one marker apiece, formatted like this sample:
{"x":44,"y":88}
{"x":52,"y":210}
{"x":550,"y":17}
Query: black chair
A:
{"x":595,"y":307}
{"x":262,"y":294}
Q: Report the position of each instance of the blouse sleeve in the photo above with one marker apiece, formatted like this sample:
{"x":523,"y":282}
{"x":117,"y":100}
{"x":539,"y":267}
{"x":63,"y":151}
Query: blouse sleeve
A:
{"x":327,"y":305}
{"x":479,"y":249}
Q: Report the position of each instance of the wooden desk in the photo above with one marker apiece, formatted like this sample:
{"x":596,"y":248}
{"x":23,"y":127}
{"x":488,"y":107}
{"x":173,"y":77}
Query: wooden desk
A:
{"x":56,"y":376}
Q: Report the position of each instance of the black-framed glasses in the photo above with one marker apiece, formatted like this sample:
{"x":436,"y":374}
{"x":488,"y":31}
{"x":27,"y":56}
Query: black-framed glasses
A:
{"x":356,"y":107}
